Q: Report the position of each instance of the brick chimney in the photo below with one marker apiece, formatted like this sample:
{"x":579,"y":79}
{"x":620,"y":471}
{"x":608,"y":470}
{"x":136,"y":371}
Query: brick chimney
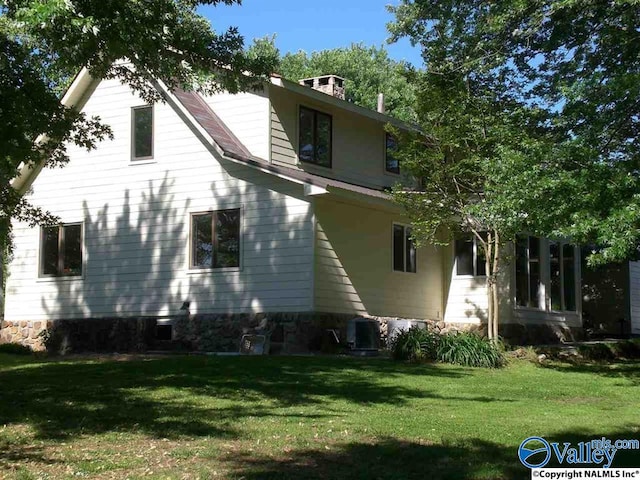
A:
{"x":330,"y":84}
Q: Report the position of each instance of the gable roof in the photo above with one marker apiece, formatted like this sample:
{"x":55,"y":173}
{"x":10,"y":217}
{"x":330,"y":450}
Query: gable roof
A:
{"x":203,"y":118}
{"x":233,"y":148}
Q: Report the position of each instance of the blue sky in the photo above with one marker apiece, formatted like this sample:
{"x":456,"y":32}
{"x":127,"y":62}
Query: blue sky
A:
{"x":312,"y":25}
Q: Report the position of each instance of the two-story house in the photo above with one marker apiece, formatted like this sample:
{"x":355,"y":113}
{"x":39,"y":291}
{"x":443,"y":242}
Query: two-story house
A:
{"x":209,"y":214}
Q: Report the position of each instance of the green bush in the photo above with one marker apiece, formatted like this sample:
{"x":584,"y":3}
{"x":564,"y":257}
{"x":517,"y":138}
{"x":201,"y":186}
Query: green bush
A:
{"x":469,"y":350}
{"x":628,"y":349}
{"x":597,"y":352}
{"x":414,"y":345}
{"x":15,"y":349}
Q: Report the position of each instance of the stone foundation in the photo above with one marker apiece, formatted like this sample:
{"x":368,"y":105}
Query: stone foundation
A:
{"x":289,"y":333}
{"x":24,"y":332}
{"x":539,"y":334}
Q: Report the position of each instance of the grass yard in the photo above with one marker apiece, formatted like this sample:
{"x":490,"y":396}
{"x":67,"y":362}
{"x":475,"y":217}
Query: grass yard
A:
{"x":299,"y":417}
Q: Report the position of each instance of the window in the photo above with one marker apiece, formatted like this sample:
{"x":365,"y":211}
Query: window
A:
{"x":61,"y":251}
{"x":404,"y":251}
{"x":562,"y":273}
{"x":315,"y":137}
{"x":528,"y":272}
{"x":142,"y":132}
{"x":392,"y":164}
{"x":470,"y":257}
{"x":215,"y":239}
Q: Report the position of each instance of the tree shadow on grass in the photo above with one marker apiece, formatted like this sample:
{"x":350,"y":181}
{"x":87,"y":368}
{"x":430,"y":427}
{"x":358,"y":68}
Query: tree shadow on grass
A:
{"x":626,"y":371}
{"x":390,"y":458}
{"x":387,"y":458}
{"x":197,"y":396}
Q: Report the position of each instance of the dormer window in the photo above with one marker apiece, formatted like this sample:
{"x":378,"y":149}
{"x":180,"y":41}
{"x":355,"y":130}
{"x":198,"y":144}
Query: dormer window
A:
{"x":314,"y":137}
{"x":392,"y":164}
{"x":142,"y":133}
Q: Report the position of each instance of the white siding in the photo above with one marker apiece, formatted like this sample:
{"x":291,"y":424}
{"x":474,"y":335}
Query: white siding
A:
{"x":354,"y":267}
{"x":465,"y":297}
{"x":634,"y":296}
{"x":358,"y":142}
{"x":136,"y":228}
{"x":247,"y":116}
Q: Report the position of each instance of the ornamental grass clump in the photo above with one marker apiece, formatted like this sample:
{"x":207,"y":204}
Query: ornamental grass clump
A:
{"x":414,"y":345}
{"x":469,"y":350}
{"x":460,"y":348}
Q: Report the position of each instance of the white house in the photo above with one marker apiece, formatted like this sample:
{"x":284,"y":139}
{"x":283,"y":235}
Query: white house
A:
{"x":206,"y":215}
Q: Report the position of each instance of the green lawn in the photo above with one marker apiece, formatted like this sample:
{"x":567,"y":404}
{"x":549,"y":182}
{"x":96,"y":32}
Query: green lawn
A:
{"x":298,"y":417}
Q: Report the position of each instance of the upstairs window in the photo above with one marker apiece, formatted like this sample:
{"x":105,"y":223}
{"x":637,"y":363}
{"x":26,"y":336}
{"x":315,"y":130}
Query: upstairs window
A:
{"x":528,"y":272}
{"x":61,"y":251}
{"x":142,"y":132}
{"x":315,"y":137}
{"x":215,"y":239}
{"x":392,"y":164}
{"x":404,"y":250}
{"x":470,"y":257}
{"x":562,"y":273}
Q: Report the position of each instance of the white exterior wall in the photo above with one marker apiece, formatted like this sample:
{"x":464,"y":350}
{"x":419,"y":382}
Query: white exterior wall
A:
{"x":136,"y":228}
{"x":354,"y":265}
{"x":247,"y":116}
{"x":466,"y":298}
{"x":634,"y":296}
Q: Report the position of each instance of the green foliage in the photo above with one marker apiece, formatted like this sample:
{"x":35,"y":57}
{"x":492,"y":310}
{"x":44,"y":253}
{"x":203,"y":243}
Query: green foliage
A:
{"x":367,"y":71}
{"x":15,"y":349}
{"x":469,"y":350}
{"x":569,"y":72}
{"x":610,"y":351}
{"x":43,"y":44}
{"x":458,"y":348}
{"x":414,"y":345}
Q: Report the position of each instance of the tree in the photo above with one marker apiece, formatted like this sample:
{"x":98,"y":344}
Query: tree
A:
{"x":474,"y":125}
{"x":44,"y":43}
{"x":575,"y":60}
{"x":367,"y":71}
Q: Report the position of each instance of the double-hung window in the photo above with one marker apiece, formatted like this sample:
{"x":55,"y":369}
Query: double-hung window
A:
{"x":215,"y":239}
{"x":470,"y":257}
{"x":61,"y":251}
{"x":314,"y":142}
{"x":392,"y":164}
{"x":142,"y":133}
{"x":528,"y":272}
{"x":562,"y":276}
{"x":404,"y":250}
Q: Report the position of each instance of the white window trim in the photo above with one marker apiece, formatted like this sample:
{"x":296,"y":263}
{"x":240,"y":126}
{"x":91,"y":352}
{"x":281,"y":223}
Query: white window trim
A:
{"x":133,"y":160}
{"x":404,"y":250}
{"x":475,"y":260}
{"x":62,"y":278}
{"x":191,"y":270}
{"x":563,"y":302}
{"x":302,"y":163}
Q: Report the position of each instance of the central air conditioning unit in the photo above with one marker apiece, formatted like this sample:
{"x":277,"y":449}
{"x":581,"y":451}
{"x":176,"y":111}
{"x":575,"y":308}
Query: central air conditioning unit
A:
{"x":363,"y":334}
{"x":395,"y":326}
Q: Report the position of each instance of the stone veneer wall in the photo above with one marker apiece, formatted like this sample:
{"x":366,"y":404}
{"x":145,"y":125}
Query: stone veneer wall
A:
{"x":290,"y":333}
{"x":24,"y":333}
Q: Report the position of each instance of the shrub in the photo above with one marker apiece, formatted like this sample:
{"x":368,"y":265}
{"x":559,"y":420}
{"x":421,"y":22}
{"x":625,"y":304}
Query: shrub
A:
{"x":469,"y":350}
{"x":597,"y":352}
{"x":628,"y":349}
{"x":414,"y":345}
{"x":15,"y":349}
